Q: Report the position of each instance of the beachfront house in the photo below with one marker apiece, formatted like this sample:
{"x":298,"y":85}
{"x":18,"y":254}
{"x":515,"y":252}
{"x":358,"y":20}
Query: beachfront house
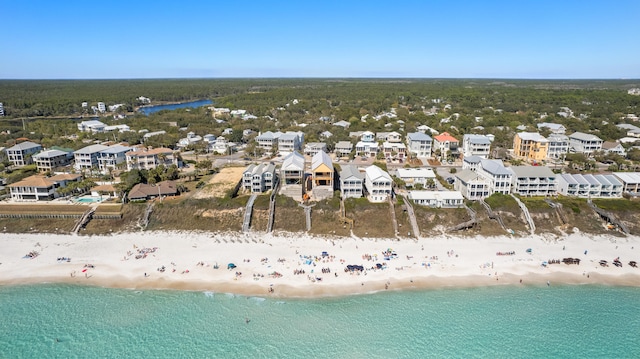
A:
{"x":151,"y":158}
{"x":419,"y":144}
{"x":310,"y":149}
{"x":584,"y":143}
{"x":498,"y":176}
{"x":143,"y":191}
{"x":590,"y":186}
{"x":476,"y":145}
{"x":630,"y":181}
{"x":530,"y":181}
{"x":22,"y":153}
{"x":110,"y":158}
{"x":40,"y":188}
{"x":471,"y":185}
{"x":258,"y":178}
{"x":351,"y":182}
{"x":471,"y":163}
{"x":86,"y":158}
{"x":49,"y":160}
{"x":322,"y":173}
{"x":378,"y":184}
{"x":530,"y":146}
{"x":425,"y":177}
{"x":437,"y":199}
{"x":292,"y":175}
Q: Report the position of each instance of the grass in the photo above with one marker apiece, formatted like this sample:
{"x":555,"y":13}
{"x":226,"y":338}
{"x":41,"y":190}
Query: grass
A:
{"x":289,"y":216}
{"x":131,"y":213}
{"x":43,"y":209}
{"x":370,"y":219}
{"x":325,"y":218}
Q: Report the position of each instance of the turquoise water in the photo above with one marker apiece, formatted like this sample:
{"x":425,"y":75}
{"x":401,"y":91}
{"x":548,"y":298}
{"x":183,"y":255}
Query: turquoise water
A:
{"x":87,"y":200}
{"x":151,"y":109}
{"x":502,"y":322}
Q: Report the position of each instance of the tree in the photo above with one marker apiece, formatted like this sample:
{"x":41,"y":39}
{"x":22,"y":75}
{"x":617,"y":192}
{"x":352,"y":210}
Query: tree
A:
{"x":203,"y":164}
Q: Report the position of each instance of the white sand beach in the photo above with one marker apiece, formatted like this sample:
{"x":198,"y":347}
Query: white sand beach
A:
{"x":293,"y":265}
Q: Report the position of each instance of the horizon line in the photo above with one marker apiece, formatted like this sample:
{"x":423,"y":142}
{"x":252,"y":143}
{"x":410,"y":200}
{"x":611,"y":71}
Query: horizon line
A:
{"x":328,"y":78}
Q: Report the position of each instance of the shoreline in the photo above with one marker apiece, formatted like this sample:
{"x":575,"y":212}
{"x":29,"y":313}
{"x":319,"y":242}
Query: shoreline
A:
{"x":292,"y":265}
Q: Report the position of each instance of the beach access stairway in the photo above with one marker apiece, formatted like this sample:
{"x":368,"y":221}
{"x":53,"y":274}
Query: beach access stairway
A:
{"x":468,"y":224}
{"x":246,"y":223}
{"x":343,"y":215}
{"x":493,"y":215}
{"x":558,"y":209}
{"x":272,"y":206}
{"x":307,"y":213}
{"x":82,"y":222}
{"x":394,"y":220}
{"x":144,"y":222}
{"x":609,"y":217}
{"x":527,"y":216}
{"x":412,"y":217}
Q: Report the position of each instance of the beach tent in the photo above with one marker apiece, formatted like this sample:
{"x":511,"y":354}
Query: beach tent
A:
{"x":231,"y":266}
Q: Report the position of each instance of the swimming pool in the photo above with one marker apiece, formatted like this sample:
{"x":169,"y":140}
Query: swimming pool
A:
{"x":87,"y":199}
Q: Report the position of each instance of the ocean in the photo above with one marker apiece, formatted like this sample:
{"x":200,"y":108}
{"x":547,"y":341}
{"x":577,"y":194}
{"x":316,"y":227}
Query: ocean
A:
{"x":61,"y":321}
{"x":151,"y":109}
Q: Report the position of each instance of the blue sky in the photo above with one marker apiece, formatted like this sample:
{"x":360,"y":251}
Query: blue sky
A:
{"x":458,"y":39}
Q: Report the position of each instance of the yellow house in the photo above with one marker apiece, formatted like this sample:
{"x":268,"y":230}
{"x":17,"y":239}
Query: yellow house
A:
{"x":530,"y":146}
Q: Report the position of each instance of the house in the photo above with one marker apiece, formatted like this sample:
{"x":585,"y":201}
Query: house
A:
{"x":589,"y":186}
{"x":322,"y":175}
{"x":471,"y":185}
{"x":191,"y":139}
{"x":220,"y":146}
{"x":471,"y":163}
{"x":419,"y":144}
{"x":93,"y":126}
{"x":110,"y":158}
{"x":553,"y":127}
{"x":259,"y":178}
{"x":378,"y":184}
{"x":529,"y":181}
{"x":86,"y":158}
{"x":367,"y":146}
{"x":290,"y":141}
{"x":343,"y":148}
{"x":558,"y":146}
{"x":632,"y":131}
{"x":104,"y":190}
{"x":530,"y":146}
{"x":1,"y":109}
{"x":101,"y":107}
{"x":238,"y":113}
{"x":326,"y":134}
{"x":151,"y":158}
{"x":151,"y":134}
{"x":425,"y":128}
{"x":268,"y":140}
{"x":394,"y":151}
{"x":209,"y":138}
{"x":22,"y":153}
{"x":630,"y":181}
{"x":446,"y":144}
{"x":143,"y":191}
{"x":414,"y":176}
{"x":498,"y":176}
{"x":40,"y":188}
{"x":227,"y":131}
{"x":613,"y":147}
{"x":310,"y":149}
{"x":476,"y":145}
{"x":52,"y":159}
{"x":119,"y":128}
{"x":292,"y":175}
{"x":344,"y":124}
{"x":392,"y":137}
{"x":351,"y":182}
{"x":584,"y":143}
{"x":437,"y":199}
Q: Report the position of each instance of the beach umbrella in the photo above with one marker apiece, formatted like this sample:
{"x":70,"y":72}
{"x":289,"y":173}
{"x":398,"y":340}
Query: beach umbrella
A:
{"x":231,"y":266}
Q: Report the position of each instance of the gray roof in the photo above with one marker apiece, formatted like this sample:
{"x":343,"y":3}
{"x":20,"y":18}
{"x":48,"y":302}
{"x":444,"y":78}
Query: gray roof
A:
{"x":50,"y":154}
{"x":472,"y":159}
{"x":91,"y":149}
{"x":584,"y":136}
{"x":467,"y":175}
{"x":26,"y":145}
{"x":294,"y":159}
{"x":478,"y":139}
{"x":494,"y":167}
{"x":321,"y":158}
{"x":532,"y":171}
{"x":344,"y":144}
{"x":418,"y":136}
{"x":628,"y":177}
{"x":116,"y":149}
{"x":349,"y":171}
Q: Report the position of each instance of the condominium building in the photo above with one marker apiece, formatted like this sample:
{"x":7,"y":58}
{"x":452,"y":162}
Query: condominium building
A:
{"x":52,"y":159}
{"x":110,"y":158}
{"x":419,"y":144}
{"x":558,"y":146}
{"x":22,"y":153}
{"x":590,"y":186}
{"x":151,"y":158}
{"x":476,"y":145}
{"x":529,"y":181}
{"x":530,"y":146}
{"x":585,"y":143}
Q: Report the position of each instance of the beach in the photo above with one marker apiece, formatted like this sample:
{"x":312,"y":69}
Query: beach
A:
{"x":292,"y":265}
